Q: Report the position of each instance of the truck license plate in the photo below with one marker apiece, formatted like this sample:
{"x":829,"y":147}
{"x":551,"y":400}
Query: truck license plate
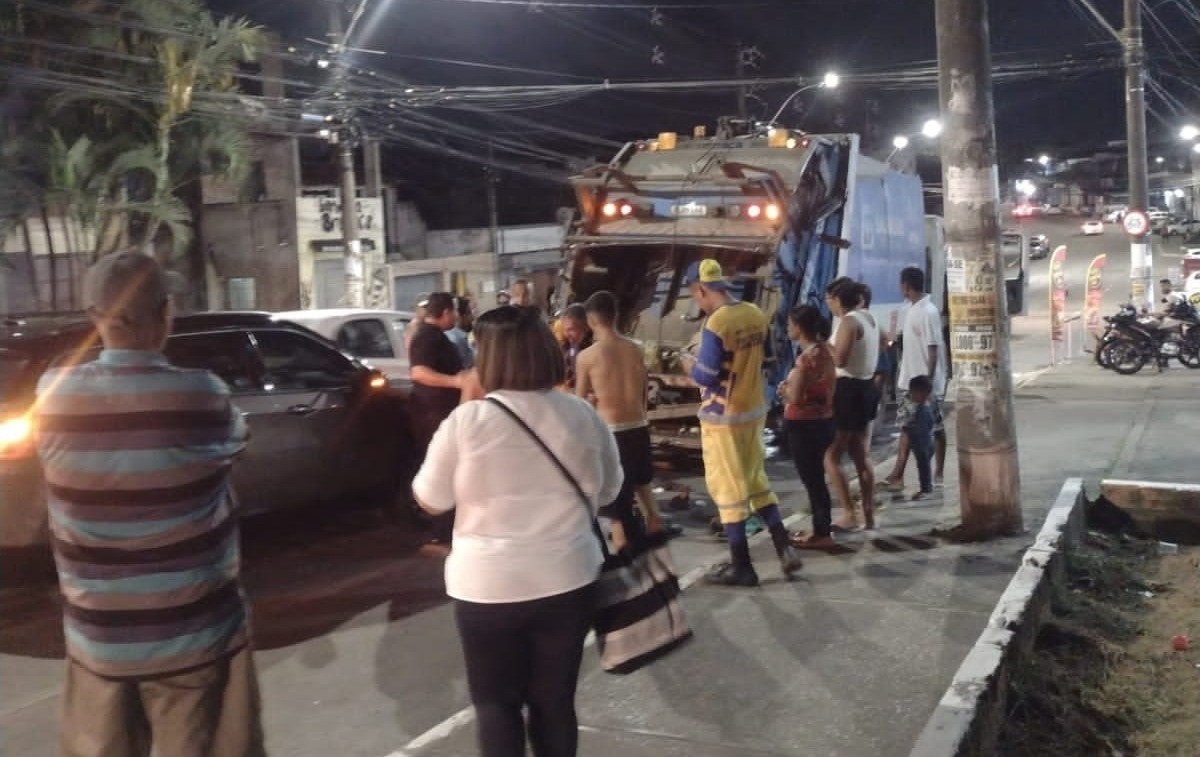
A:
{"x":689,"y":210}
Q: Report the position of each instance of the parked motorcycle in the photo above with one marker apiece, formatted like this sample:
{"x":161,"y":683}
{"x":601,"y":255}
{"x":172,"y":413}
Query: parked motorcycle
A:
{"x":1131,"y":340}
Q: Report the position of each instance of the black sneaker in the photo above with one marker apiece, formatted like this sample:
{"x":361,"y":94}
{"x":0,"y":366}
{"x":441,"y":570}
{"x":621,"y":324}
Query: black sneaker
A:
{"x":789,"y":561}
{"x":728,"y":574}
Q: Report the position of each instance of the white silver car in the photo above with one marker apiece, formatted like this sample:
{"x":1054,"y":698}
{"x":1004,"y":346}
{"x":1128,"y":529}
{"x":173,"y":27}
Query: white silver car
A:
{"x":1191,"y":287}
{"x":1092,"y":227}
{"x":376,"y":337}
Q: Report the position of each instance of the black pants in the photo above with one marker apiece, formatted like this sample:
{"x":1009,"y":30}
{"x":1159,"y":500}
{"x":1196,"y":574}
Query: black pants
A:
{"x":425,"y":422}
{"x":808,"y":441}
{"x":526,"y":654}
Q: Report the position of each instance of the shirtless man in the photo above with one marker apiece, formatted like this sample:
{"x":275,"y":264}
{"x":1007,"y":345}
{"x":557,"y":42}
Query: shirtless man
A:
{"x":611,"y":374}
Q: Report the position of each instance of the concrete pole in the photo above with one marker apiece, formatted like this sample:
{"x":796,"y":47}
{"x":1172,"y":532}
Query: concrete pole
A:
{"x":355,"y":296}
{"x":1141,"y":263}
{"x":355,"y":291}
{"x":989,"y":478}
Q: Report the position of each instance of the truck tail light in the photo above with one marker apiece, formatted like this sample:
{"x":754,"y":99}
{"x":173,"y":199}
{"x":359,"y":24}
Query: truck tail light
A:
{"x":609,"y":210}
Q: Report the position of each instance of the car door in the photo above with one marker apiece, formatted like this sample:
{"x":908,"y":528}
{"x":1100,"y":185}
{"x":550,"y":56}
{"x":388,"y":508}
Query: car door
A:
{"x":264,"y":474}
{"x":310,"y":388}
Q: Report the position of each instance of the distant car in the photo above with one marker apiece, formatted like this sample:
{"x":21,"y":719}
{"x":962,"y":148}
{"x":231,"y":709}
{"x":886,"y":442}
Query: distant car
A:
{"x":1039,"y":246}
{"x":1092,"y":227}
{"x":1182,"y":228}
{"x":376,"y":337}
{"x":1022,"y":211}
{"x":1115,"y":215}
{"x":1052,"y":210}
{"x":324,"y":429}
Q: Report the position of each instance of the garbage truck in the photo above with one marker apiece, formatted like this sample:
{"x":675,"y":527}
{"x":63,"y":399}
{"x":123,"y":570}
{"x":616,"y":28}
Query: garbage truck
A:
{"x":784,"y":212}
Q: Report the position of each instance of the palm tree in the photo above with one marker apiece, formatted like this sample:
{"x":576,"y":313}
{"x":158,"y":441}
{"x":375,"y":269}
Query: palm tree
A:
{"x":118,"y":160}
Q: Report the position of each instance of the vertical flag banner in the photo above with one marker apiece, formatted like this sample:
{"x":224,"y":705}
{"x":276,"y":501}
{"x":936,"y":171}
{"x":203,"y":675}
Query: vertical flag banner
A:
{"x":1094,"y":296}
{"x":1058,"y":292}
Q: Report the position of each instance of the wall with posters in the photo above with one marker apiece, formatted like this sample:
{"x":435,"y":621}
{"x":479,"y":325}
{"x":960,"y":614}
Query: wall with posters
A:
{"x":319,"y":240}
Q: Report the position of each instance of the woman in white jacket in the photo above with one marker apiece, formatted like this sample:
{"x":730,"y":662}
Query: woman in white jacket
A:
{"x":525,"y":559}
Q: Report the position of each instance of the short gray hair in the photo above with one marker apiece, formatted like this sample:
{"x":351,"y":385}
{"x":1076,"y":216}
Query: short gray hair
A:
{"x":127,"y":288}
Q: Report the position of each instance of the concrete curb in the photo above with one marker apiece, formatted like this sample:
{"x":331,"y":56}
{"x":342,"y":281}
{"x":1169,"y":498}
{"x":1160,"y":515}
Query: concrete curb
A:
{"x":969,"y":716}
{"x":1166,"y":511}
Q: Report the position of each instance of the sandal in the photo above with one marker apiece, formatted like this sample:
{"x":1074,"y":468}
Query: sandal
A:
{"x":812,"y":541}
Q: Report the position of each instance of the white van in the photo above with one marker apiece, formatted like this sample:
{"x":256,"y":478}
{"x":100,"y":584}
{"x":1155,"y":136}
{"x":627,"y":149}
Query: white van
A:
{"x":376,"y":337}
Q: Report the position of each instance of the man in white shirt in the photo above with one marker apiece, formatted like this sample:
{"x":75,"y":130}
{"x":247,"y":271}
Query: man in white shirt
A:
{"x":923,"y":354}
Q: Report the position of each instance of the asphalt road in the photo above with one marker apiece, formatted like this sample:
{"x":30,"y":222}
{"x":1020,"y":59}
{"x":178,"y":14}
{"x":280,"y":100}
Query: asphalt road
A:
{"x":357,"y":650}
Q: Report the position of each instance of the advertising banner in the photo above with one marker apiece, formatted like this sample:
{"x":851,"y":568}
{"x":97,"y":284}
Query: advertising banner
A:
{"x":1094,"y":296}
{"x":1058,"y":292}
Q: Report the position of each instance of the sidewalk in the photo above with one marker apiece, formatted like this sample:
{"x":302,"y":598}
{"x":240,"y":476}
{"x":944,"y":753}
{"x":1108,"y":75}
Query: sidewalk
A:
{"x":851,"y":658}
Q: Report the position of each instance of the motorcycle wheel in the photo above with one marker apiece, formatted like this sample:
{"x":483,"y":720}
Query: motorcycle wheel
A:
{"x":1189,"y":352}
{"x":1100,"y":355}
{"x":1124,"y":356}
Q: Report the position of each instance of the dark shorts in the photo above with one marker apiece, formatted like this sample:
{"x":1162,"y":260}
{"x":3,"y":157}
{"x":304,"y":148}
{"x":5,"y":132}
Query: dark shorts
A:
{"x":855,"y":402}
{"x":637,"y":462}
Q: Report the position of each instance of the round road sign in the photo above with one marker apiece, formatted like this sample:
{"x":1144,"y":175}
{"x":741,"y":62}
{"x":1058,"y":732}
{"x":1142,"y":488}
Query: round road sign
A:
{"x":1136,"y":224}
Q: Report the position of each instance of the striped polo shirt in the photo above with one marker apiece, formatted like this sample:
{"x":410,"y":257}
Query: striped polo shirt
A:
{"x":136,"y":455}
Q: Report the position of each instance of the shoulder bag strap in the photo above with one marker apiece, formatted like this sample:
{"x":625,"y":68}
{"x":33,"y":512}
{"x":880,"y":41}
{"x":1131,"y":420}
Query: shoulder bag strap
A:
{"x":583,"y":498}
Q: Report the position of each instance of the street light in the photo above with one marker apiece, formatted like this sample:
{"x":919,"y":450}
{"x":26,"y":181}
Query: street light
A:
{"x":1196,"y":147}
{"x":900,"y":142}
{"x":830,"y":81}
{"x":932,"y":129}
{"x":1189,"y":132}
{"x":1160,"y":160}
{"x":1043,"y":160}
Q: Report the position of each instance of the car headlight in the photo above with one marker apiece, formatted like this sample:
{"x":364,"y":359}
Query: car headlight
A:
{"x":16,"y":438}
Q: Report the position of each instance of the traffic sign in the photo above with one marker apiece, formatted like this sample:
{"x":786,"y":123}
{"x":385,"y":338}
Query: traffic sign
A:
{"x":1136,"y":224}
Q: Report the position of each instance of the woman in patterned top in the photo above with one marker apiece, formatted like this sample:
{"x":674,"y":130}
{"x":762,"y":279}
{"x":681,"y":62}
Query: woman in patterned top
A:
{"x":808,"y":417}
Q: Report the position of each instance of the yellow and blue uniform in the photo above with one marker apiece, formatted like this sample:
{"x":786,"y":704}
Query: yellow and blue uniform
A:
{"x":733,"y":410}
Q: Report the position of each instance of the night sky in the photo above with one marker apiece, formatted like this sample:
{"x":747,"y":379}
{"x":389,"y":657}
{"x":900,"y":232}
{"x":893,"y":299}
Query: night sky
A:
{"x":1061,"y":114}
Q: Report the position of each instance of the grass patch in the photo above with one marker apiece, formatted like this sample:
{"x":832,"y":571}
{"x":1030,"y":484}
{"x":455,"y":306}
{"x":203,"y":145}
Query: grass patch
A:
{"x":1103,"y":680}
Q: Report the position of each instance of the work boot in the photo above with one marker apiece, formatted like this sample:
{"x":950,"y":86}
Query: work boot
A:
{"x":789,"y":561}
{"x":731,"y":574}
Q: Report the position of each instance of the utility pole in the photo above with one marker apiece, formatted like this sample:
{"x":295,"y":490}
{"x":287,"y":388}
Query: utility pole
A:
{"x":355,"y":295}
{"x":743,"y":113}
{"x":989,"y":477}
{"x":1141,"y":260}
{"x":493,"y":214}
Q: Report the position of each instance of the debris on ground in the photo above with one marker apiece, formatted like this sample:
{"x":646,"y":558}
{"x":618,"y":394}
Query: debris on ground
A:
{"x":1113,"y":671}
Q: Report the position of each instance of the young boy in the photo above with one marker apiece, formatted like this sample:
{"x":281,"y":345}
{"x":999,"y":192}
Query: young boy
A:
{"x":919,"y":429}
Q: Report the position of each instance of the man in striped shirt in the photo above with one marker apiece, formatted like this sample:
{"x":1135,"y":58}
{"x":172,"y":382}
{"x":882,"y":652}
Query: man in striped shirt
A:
{"x":136,"y":455}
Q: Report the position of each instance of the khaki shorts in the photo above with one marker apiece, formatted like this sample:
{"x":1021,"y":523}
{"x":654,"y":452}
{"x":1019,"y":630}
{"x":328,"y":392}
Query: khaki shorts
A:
{"x":211,"y":711}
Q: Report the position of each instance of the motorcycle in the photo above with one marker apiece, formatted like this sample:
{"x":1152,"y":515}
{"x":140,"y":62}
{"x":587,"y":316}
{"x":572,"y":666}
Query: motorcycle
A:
{"x":1131,"y":340}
